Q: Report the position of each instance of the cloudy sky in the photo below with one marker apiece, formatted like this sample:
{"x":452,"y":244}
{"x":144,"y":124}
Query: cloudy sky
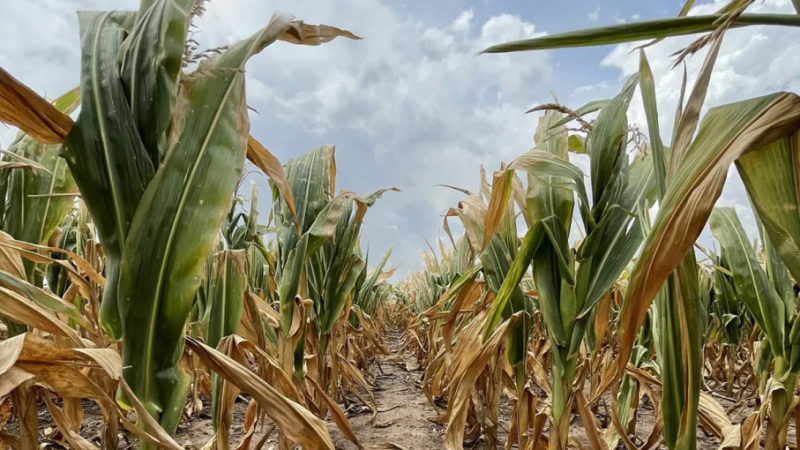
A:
{"x":411,"y":105}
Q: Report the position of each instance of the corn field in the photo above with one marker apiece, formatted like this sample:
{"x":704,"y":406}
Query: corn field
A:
{"x":142,"y":288}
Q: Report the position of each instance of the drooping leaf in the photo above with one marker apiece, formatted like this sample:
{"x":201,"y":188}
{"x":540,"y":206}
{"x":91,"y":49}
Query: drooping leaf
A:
{"x":272,"y":168}
{"x":38,"y":200}
{"x":21,"y":107}
{"x":726,"y":133}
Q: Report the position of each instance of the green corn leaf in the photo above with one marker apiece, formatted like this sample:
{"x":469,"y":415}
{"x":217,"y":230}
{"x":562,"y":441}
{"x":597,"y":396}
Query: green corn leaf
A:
{"x":543,"y":199}
{"x":545,"y":168}
{"x":151,"y":64}
{"x":290,"y":281}
{"x":686,"y":127}
{"x":607,"y":144}
{"x":309,"y":177}
{"x":777,"y":274}
{"x":530,"y":243}
{"x":577,"y":144}
{"x":310,"y":181}
{"x":370,"y":279}
{"x":764,"y":360}
{"x":559,"y":239}
{"x":616,"y":242}
{"x":337,"y":298}
{"x":729,"y":302}
{"x":648,"y":89}
{"x":637,"y":31}
{"x":225,"y":298}
{"x":548,"y":286}
{"x":104,"y":151}
{"x":750,"y":281}
{"x":677,"y":328}
{"x":177,"y":223}
{"x":327,"y":223}
{"x":772,"y":179}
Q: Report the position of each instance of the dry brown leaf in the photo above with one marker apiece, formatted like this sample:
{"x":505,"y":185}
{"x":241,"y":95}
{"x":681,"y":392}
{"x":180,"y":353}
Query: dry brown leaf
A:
{"x":331,"y":151}
{"x":712,"y":416}
{"x":686,"y":209}
{"x":8,"y":441}
{"x":26,"y":110}
{"x":470,"y":359}
{"x":227,"y":397}
{"x":27,"y":412}
{"x":12,"y":379}
{"x":602,"y":319}
{"x":34,"y":251}
{"x":10,"y":260}
{"x":294,"y":421}
{"x":732,"y":438}
{"x":269,"y":164}
{"x":21,"y":310}
{"x":385,"y":446}
{"x":250,"y":421}
{"x":751,"y":430}
{"x":336,"y":414}
{"x":590,"y":424}
{"x":301,"y":33}
{"x":62,"y":421}
{"x":108,"y":359}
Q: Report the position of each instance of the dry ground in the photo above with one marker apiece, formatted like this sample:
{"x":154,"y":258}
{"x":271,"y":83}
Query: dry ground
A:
{"x":403,"y":417}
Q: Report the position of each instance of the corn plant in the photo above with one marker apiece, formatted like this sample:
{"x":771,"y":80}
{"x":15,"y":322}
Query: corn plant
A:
{"x":690,"y":176}
{"x":371,"y":288}
{"x":182,"y":203}
{"x":157,"y":153}
{"x":567,"y":295}
{"x":769,"y":297}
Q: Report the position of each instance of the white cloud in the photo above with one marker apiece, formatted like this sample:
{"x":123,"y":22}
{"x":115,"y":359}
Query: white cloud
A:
{"x":752,"y":61}
{"x":636,"y":16}
{"x":463,"y":22}
{"x":590,"y":88}
{"x":410,"y":105}
{"x":594,"y":15}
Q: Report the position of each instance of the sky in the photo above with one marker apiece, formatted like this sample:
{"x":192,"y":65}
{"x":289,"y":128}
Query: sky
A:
{"x":412,"y":105}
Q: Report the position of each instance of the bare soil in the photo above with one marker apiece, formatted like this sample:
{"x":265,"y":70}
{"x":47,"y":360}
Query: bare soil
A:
{"x":403,"y":417}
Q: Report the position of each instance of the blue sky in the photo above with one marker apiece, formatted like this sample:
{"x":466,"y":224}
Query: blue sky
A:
{"x":412,"y":105}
